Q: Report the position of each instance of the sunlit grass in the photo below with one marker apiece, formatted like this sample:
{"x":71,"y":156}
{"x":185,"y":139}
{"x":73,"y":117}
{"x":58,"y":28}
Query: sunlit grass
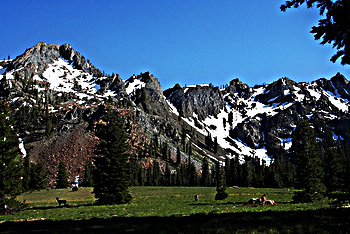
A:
{"x":153,"y":201}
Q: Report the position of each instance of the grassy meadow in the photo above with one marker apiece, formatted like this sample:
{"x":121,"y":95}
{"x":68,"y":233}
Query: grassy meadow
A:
{"x":173,"y":210}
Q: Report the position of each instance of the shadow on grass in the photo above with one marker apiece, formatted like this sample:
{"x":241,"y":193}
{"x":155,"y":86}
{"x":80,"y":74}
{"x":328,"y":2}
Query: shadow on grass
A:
{"x":57,"y":206}
{"x":316,"y":221}
{"x":211,"y":204}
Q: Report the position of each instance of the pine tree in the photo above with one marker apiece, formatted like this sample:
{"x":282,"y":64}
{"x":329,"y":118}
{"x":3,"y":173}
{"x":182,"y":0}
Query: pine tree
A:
{"x":333,"y":170}
{"x":221,"y":193}
{"x":26,"y":174}
{"x":205,"y":180}
{"x":62,"y":180}
{"x":156,"y":176}
{"x":167,"y":176}
{"x":178,"y":155}
{"x":112,"y":173}
{"x":38,"y":177}
{"x":11,"y":169}
{"x":309,"y":171}
{"x":88,"y":181}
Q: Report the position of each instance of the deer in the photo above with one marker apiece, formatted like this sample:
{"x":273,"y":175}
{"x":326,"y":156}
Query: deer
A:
{"x":61,"y":201}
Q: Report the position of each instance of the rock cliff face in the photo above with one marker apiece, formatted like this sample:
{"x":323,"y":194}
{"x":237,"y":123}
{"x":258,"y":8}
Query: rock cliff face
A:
{"x":35,"y":60}
{"x":57,"y":96}
{"x":200,"y":100}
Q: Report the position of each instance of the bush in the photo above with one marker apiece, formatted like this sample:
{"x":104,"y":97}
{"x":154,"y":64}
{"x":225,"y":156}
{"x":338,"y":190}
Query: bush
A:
{"x":221,"y":194}
{"x":301,"y":197}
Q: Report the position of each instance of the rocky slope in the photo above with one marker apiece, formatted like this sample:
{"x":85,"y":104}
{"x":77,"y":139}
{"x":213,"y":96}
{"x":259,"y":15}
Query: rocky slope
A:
{"x":57,"y":96}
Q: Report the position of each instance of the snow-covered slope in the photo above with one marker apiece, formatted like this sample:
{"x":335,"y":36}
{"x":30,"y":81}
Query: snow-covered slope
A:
{"x":236,"y":121}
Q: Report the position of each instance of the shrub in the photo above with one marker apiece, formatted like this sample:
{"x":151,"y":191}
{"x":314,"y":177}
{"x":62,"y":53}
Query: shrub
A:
{"x":221,"y":194}
{"x":301,"y":197}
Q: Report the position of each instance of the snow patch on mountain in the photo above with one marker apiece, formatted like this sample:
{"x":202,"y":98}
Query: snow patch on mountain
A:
{"x":134,"y":85}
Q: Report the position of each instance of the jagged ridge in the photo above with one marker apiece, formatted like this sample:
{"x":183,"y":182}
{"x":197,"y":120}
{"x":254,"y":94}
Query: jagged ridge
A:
{"x":62,"y":86}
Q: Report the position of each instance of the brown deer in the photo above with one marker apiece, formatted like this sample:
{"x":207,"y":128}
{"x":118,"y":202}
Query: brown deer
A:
{"x":61,"y":201}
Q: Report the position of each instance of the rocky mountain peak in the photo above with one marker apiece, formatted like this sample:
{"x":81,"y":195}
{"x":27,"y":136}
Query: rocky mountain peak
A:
{"x":237,"y":88}
{"x":35,"y":60}
{"x":338,"y":85}
{"x":278,"y":91}
{"x":201,"y":100}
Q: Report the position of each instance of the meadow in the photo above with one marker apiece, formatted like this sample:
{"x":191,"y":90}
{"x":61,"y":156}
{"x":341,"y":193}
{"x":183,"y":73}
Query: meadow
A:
{"x":173,"y":210}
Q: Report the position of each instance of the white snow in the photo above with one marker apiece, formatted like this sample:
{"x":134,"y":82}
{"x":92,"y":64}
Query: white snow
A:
{"x":133,"y":86}
{"x":2,"y":70}
{"x":21,"y":147}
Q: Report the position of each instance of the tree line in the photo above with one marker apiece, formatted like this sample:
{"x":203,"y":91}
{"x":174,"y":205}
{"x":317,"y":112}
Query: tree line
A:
{"x":317,"y":168}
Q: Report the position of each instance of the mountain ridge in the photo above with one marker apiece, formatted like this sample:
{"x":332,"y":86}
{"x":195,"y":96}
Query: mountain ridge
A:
{"x":55,"y":85}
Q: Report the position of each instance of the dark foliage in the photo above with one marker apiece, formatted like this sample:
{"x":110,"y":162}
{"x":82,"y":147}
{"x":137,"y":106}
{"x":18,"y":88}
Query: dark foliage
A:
{"x":112,"y":173}
{"x":333,"y":28}
{"x":11,"y":169}
{"x":62,"y":180}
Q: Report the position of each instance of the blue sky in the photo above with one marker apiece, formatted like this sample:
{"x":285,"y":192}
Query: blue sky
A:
{"x":179,"y":41}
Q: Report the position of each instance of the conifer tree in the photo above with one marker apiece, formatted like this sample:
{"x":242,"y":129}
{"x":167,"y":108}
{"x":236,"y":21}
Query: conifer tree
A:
{"x":62,"y":180}
{"x":87,"y":180}
{"x":309,"y":171}
{"x":178,"y":155}
{"x":205,"y":180}
{"x":11,"y":170}
{"x":221,"y":193}
{"x":38,"y":176}
{"x":26,"y":173}
{"x":112,"y":173}
{"x":333,"y":170}
{"x":156,"y":176}
{"x":167,"y":176}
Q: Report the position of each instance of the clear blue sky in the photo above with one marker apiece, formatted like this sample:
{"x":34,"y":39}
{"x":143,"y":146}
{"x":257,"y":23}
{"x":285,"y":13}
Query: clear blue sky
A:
{"x":179,"y":41}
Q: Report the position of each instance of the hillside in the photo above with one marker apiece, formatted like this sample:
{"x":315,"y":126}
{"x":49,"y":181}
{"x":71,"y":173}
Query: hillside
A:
{"x":57,"y":96}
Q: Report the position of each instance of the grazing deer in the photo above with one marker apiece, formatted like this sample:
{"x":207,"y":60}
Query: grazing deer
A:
{"x":61,"y":201}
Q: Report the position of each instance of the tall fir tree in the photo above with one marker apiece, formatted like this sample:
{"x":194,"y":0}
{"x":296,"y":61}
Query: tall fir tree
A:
{"x":205,"y":180}
{"x":221,"y":193}
{"x":307,"y":156}
{"x":112,"y":172}
{"x":178,"y":155}
{"x":11,"y":169}
{"x":38,"y":176}
{"x":333,"y":179}
{"x":87,"y":180}
{"x":62,"y":179}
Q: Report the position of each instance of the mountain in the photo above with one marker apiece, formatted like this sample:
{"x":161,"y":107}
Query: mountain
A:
{"x":58,"y":95}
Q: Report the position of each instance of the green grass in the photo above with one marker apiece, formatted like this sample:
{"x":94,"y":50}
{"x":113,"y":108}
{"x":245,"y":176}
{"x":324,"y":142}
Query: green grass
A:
{"x":175,"y":205}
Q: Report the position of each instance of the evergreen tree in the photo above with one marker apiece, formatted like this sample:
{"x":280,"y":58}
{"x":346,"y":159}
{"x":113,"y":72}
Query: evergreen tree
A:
{"x":205,"y":180}
{"x":333,"y":170}
{"x":112,"y":173}
{"x":178,"y":155}
{"x":11,"y":169}
{"x":333,"y":28}
{"x":62,"y":180}
{"x":309,"y":171}
{"x":167,"y":176}
{"x":156,"y":175}
{"x":221,"y":193}
{"x":88,"y":181}
{"x":38,"y":176}
{"x":26,"y":174}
